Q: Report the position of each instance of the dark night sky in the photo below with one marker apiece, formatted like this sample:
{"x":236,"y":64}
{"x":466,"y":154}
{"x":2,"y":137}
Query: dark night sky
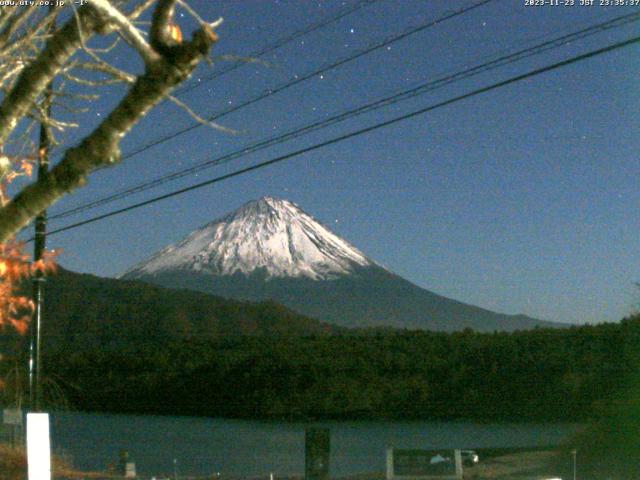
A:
{"x":521,"y":200}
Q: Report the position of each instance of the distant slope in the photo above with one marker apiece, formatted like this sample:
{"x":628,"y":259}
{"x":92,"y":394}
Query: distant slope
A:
{"x":85,"y":311}
{"x":369,"y":297}
{"x":269,"y":249}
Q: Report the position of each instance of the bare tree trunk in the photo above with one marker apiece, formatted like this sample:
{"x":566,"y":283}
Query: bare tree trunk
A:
{"x":167,"y":64}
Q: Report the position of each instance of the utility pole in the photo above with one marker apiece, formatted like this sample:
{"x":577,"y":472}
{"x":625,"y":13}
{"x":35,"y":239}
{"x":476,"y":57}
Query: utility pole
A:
{"x":35,"y":389}
{"x":38,"y":438}
{"x":44,"y":145}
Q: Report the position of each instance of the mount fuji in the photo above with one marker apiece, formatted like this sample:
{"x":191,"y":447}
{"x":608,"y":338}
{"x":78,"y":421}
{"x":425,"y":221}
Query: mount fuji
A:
{"x":271,"y":249}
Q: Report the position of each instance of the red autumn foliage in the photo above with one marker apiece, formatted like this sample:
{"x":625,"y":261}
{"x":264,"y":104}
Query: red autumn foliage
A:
{"x":16,"y":307}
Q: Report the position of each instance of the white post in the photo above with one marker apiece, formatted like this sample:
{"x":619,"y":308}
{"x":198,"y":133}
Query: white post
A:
{"x":38,"y":446}
{"x":390,"y":472}
{"x":458,"y":458}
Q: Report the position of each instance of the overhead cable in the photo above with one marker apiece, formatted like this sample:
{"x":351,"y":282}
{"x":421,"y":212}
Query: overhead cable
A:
{"x":389,"y":100}
{"x":356,"y":133}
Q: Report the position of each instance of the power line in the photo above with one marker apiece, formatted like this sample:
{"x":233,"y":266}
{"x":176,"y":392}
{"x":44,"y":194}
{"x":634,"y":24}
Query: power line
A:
{"x":299,"y":79}
{"x":356,"y":133}
{"x":296,"y":80}
{"x":341,"y":13}
{"x":404,"y":95}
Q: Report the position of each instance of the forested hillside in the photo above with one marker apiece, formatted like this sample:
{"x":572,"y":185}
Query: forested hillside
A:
{"x":543,"y":374}
{"x":84,"y":312}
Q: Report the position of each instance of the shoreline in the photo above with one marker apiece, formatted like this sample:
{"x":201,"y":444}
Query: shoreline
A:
{"x":292,"y":421}
{"x":523,"y":465}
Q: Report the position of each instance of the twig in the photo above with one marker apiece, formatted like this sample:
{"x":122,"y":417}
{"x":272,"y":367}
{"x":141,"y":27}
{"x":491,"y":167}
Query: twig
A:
{"x":128,"y":31}
{"x":199,"y":119}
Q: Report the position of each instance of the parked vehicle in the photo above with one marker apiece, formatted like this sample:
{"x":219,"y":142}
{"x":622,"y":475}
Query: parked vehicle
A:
{"x":469,"y":457}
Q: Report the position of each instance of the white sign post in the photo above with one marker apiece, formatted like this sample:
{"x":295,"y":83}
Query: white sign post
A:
{"x":38,"y":446}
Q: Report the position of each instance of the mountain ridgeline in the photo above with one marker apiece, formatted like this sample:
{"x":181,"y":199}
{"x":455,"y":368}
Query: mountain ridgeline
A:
{"x":270,"y":249}
{"x":127,"y":346}
{"x":84,"y":312}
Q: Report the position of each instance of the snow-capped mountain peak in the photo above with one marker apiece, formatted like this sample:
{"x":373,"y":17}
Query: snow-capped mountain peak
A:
{"x":270,"y":235}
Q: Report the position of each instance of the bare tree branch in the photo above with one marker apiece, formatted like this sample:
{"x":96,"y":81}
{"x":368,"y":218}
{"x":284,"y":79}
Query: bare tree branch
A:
{"x":160,"y":23}
{"x":101,"y":147}
{"x":35,"y":77}
{"x":108,"y":69}
{"x":140,"y":9}
{"x":128,"y":31}
{"x":15,"y":23}
{"x":198,"y":118}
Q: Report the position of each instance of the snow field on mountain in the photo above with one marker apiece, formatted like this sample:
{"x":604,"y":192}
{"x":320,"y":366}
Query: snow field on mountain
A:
{"x":269,"y":234}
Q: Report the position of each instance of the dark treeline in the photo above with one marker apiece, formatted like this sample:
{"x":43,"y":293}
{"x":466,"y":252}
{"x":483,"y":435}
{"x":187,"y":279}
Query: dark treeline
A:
{"x":545,"y":374}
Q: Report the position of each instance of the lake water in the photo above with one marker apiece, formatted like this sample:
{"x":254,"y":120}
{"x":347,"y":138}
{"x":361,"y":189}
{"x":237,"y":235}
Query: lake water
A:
{"x":202,"y":446}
